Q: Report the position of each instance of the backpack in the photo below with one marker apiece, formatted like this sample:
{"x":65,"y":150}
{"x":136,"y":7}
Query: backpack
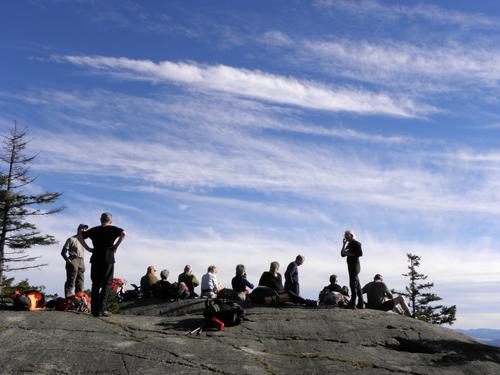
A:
{"x":260,"y":293}
{"x":228,"y":312}
{"x":326,"y":297}
{"x":80,"y":303}
{"x":29,"y":300}
{"x":227,"y":293}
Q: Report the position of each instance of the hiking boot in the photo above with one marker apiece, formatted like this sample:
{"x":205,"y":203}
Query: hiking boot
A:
{"x":360,"y":306}
{"x":105,"y":314}
{"x":351,"y":306}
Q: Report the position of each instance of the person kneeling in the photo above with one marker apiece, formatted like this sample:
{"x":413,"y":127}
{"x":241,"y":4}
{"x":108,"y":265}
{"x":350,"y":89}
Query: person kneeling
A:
{"x":379,"y":297}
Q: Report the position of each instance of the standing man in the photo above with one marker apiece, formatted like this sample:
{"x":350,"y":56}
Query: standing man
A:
{"x":73,"y":253}
{"x":352,"y":250}
{"x":103,"y":260}
{"x":292,"y":275}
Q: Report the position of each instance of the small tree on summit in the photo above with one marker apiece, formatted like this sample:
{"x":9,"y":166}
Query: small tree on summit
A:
{"x":16,"y":206}
{"x":420,"y":302}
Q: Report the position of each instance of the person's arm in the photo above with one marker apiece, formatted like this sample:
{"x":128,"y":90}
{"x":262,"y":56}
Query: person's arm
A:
{"x":248,"y":283}
{"x":388,"y":293}
{"x":365,"y":289}
{"x":64,"y":251}
{"x":294,"y":275}
{"x":194,"y":281}
{"x":120,"y":240}
{"x":343,"y":252}
{"x":82,"y":241}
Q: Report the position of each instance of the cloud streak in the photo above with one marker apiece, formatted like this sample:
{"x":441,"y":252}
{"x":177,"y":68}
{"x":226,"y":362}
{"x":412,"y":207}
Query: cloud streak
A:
{"x":253,"y":84}
{"x":428,"y":12}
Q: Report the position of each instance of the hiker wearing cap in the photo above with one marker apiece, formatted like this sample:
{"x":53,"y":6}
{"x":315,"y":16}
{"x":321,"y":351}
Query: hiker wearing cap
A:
{"x":379,"y":297}
{"x":73,"y":254}
{"x":351,"y":249}
{"x":188,"y":278}
{"x":106,"y":239}
{"x":292,"y":275}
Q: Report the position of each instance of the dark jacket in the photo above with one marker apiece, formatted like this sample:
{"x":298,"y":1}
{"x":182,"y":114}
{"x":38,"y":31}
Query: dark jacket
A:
{"x":271,"y":281}
{"x":354,"y":251}
{"x":240,"y":284}
{"x":292,"y":278}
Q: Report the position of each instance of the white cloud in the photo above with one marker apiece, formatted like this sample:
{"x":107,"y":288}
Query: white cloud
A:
{"x":429,"y":12}
{"x":254,"y":84}
{"x":402,"y":61}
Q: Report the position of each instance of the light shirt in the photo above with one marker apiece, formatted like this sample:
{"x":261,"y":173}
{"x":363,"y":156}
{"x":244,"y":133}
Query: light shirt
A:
{"x":74,"y":247}
{"x":209,"y":284}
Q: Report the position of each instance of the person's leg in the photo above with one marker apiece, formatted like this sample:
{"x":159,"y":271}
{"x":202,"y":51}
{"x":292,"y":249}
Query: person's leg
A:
{"x":353,"y":280}
{"x":399,"y":300}
{"x":107,"y":281}
{"x":79,"y":275}
{"x":359,"y":292}
{"x":96,"y":277}
{"x":295,"y":298}
{"x":71,"y":272}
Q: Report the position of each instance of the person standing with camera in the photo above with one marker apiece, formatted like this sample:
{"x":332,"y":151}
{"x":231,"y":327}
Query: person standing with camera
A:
{"x":351,"y":249}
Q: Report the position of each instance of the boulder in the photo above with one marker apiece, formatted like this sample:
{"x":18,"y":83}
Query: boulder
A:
{"x":271,"y":341}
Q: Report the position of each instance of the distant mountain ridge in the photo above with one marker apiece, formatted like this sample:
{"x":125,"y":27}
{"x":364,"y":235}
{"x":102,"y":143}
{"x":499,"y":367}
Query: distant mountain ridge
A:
{"x":485,"y":335}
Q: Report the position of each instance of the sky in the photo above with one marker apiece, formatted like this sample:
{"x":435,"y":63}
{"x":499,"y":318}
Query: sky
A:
{"x":247,"y":132}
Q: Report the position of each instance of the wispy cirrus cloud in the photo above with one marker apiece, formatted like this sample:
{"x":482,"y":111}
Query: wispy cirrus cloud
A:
{"x":429,"y":12}
{"x":400,"y":61}
{"x":254,"y":84}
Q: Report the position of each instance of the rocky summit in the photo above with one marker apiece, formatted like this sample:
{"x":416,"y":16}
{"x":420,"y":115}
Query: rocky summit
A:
{"x":289,"y":340}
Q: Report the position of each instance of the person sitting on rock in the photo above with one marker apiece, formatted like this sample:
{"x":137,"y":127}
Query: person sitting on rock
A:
{"x":240,"y":282}
{"x":334,"y":294}
{"x":210,"y":286}
{"x":379,"y":297}
{"x":166,"y":289}
{"x":147,"y":282}
{"x":163,"y":288}
{"x":292,"y":275}
{"x":273,"y":280}
{"x":188,"y":278}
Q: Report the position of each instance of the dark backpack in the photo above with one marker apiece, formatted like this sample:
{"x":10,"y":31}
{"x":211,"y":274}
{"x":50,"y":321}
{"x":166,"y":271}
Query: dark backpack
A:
{"x":228,"y":312}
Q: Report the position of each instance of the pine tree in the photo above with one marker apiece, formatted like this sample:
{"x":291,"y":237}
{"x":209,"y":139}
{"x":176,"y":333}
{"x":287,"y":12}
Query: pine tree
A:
{"x":420,"y":302}
{"x":17,"y":206}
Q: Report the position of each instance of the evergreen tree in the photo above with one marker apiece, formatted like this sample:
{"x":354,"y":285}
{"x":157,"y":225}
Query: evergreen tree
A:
{"x":420,"y":301}
{"x":17,"y":234}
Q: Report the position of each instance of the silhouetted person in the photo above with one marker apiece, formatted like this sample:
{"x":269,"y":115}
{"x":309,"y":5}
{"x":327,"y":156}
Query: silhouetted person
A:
{"x":73,"y":253}
{"x":292,"y":275}
{"x":103,"y":260}
{"x":352,"y":250}
{"x":379,"y":297}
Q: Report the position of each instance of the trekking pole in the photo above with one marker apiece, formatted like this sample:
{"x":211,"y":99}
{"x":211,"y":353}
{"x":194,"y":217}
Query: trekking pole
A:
{"x":196,"y":330}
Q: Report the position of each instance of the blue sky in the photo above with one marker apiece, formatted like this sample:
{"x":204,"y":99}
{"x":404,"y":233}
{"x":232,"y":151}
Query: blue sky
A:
{"x":225,"y":133}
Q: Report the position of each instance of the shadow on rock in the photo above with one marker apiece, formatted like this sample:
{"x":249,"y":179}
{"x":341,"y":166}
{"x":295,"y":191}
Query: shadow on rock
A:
{"x":187,"y":324}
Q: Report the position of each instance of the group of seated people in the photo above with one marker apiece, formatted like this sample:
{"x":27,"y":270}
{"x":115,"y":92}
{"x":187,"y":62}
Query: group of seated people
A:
{"x":270,"y":291}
